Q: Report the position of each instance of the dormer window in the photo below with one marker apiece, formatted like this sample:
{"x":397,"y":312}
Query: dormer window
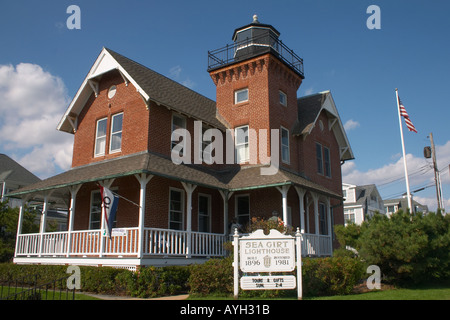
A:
{"x":241,"y":96}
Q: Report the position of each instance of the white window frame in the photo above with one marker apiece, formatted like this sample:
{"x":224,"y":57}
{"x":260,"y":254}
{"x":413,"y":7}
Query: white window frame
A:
{"x":208,"y":215}
{"x":172,"y":129}
{"x":98,"y":138}
{"x":282,"y":98}
{"x":236,"y":214}
{"x":115,"y":133}
{"x":182,"y":205}
{"x":349,"y":215}
{"x":244,"y":145}
{"x":95,"y":193}
{"x":285,"y":147}
{"x":237,"y":92}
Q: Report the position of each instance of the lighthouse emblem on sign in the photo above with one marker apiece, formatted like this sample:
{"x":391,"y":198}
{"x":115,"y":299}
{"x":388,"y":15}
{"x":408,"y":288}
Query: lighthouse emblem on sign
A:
{"x":267,"y":261}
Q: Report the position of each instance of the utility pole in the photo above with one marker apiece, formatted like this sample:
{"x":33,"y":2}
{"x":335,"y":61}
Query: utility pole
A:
{"x":436,"y":175}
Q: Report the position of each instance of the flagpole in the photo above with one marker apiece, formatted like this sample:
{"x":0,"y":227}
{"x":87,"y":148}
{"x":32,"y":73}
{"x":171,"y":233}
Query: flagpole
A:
{"x":404,"y":154}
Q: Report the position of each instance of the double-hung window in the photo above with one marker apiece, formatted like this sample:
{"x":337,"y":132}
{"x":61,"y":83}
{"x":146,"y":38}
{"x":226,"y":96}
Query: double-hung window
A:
{"x":241,"y":96}
{"x":319,"y":158}
{"x":323,"y":160}
{"x":95,"y":217}
{"x":284,"y":145}
{"x":116,"y":133}
{"x":242,"y":147}
{"x":283,"y":98}
{"x":243,"y":209}
{"x":327,"y":164}
{"x":176,"y":209}
{"x":100,"y":137}
{"x":178,"y":122}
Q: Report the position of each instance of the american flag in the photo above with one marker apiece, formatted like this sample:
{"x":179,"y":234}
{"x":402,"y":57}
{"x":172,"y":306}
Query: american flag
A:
{"x":405,"y":115}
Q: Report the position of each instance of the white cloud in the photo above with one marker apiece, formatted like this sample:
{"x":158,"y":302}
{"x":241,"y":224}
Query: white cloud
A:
{"x":351,"y":124}
{"x":32,"y":102}
{"x":175,"y":73}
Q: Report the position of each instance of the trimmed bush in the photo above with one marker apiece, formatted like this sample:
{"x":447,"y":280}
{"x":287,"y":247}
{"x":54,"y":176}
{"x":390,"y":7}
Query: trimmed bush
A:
{"x":331,"y":276}
{"x":213,"y":277}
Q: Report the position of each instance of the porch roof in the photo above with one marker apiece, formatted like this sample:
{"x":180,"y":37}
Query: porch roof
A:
{"x":235,"y":178}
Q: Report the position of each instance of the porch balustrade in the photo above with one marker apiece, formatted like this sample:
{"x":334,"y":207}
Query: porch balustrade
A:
{"x":156,"y":242}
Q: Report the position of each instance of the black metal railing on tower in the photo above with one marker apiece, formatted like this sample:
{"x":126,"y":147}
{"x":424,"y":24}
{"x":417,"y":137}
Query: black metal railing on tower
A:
{"x":251,"y":47}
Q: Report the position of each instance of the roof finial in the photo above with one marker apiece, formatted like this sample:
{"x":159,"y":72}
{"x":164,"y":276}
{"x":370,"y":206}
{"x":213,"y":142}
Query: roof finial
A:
{"x":255,"y":18}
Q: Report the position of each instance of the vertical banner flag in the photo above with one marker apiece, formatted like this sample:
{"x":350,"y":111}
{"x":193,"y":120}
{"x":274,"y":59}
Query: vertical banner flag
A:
{"x":110,"y":202}
{"x":405,"y":115}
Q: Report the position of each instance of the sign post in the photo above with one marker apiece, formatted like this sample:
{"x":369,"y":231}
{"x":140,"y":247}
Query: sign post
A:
{"x":258,"y":253}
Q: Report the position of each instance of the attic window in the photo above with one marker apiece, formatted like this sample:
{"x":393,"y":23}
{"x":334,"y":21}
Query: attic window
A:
{"x":112,"y":92}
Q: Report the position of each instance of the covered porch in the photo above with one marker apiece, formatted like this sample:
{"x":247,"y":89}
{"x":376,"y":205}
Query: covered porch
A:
{"x":146,"y":234}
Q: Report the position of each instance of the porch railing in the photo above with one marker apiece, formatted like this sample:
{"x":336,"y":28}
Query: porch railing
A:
{"x":156,"y":242}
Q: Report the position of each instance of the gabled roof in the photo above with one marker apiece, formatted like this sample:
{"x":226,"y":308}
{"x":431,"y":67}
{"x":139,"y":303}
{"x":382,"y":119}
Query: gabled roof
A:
{"x":11,"y":171}
{"x":364,"y":192}
{"x":309,"y":109}
{"x":151,"y":85}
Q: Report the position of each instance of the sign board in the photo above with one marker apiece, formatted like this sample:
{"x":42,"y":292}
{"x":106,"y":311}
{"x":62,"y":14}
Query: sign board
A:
{"x":275,"y":252}
{"x":117,"y":232}
{"x":272,"y":253}
{"x":268,"y":282}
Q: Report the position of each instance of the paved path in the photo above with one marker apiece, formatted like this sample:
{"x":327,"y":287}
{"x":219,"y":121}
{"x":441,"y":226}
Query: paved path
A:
{"x":110,"y":297}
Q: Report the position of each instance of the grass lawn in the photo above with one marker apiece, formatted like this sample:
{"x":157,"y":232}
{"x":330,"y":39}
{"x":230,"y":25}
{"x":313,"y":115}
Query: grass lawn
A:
{"x":57,"y":295}
{"x":437,"y":292}
{"x":397,"y":294}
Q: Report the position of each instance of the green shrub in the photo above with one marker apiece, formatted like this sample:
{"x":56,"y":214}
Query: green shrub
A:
{"x":409,"y":249}
{"x":213,"y":277}
{"x":331,"y":276}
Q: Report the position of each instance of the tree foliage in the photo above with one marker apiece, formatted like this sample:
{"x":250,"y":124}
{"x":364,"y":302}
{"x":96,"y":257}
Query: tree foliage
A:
{"x":407,"y":248}
{"x":9,"y":218}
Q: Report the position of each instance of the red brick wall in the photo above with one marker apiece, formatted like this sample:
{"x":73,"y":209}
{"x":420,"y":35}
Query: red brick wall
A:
{"x":157,"y":204}
{"x":135,"y":121}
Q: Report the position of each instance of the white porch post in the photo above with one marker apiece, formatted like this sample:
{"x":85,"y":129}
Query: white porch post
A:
{"x":284,"y":191}
{"x":329,"y":226}
{"x":105,"y":184}
{"x":316,"y":212}
{"x":189,"y":190}
{"x":329,"y":217}
{"x":301,"y":194}
{"x":19,"y":224}
{"x":226,"y":195}
{"x":143,"y":180}
{"x":73,"y":195}
{"x":43,"y":223}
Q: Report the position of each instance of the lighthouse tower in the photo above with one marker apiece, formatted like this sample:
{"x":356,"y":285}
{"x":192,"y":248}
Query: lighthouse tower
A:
{"x":257,"y":78}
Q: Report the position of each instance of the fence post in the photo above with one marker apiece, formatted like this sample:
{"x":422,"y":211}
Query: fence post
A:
{"x":298,"y":238}
{"x":236,"y":263}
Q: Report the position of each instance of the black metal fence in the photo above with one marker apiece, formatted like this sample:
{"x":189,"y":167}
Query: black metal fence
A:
{"x":30,"y":289}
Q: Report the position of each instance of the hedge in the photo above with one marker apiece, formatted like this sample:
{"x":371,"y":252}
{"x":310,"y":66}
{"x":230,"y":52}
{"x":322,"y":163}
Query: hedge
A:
{"x":321,"y":276}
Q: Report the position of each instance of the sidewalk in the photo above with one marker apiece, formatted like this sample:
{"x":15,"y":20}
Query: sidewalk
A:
{"x":111,"y":297}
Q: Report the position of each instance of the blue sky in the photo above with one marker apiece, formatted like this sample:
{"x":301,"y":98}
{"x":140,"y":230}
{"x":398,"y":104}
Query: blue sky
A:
{"x":361,"y":67}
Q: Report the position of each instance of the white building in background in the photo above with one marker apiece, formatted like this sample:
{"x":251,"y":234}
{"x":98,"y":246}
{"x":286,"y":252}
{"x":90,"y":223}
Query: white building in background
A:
{"x":393,"y":205}
{"x":361,"y":202}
